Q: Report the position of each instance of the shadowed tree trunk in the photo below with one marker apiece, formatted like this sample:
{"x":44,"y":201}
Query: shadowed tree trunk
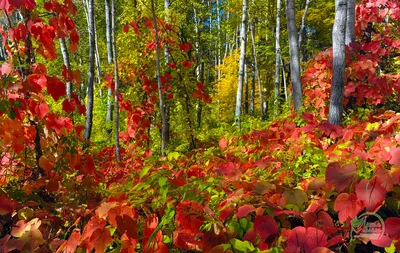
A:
{"x":277,"y":54}
{"x":338,"y":39}
{"x":160,"y":96}
{"x":109,"y":115}
{"x":303,"y":22}
{"x":90,"y":84}
{"x":116,"y":81}
{"x":294,"y":55}
{"x":243,"y":38}
{"x":253,"y":92}
{"x":256,"y":71}
{"x":64,"y":52}
{"x":350,"y":21}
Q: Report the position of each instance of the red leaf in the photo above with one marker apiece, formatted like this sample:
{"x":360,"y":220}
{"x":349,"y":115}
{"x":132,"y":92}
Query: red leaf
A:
{"x":42,"y":110}
{"x":227,"y":168}
{"x":69,"y":106}
{"x":100,"y":238}
{"x":7,"y":205}
{"x":185,"y":47}
{"x":244,"y":211}
{"x":17,"y":3}
{"x":89,"y":166}
{"x":265,"y":226}
{"x":392,"y":227}
{"x":348,"y":206}
{"x":58,"y":123}
{"x":5,"y":69}
{"x":187,"y":64}
{"x":339,"y":176}
{"x":371,"y":193}
{"x":126,"y":28}
{"x":223,"y":142}
{"x":56,"y":88}
{"x":305,"y":240}
{"x":322,"y":250}
{"x":73,"y":242}
{"x":127,"y":225}
{"x":395,"y":152}
{"x":382,"y":242}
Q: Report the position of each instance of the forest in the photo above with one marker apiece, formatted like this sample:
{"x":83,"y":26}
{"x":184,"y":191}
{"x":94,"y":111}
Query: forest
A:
{"x":215,"y":126}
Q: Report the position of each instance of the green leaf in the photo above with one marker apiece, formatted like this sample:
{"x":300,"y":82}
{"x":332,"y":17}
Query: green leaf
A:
{"x":144,"y":171}
{"x":245,"y":246}
{"x":162,"y":181}
{"x":173,"y":156}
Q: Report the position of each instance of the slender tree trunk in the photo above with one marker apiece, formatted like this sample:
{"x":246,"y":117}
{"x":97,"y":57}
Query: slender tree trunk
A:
{"x":256,"y":70}
{"x":90,"y":84}
{"x":303,"y":22}
{"x":64,"y":52}
{"x":243,"y":37}
{"x":116,"y":81}
{"x":158,"y":70}
{"x":246,"y":90}
{"x":277,"y":54}
{"x":109,"y":115}
{"x":218,"y":40}
{"x":167,"y":106}
{"x":253,"y":93}
{"x":350,"y":21}
{"x":284,"y":81}
{"x":338,"y":71}
{"x":294,"y":55}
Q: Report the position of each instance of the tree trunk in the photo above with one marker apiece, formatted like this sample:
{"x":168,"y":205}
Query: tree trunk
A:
{"x":277,"y":53}
{"x":253,"y":93}
{"x":109,"y":115}
{"x":90,"y":84}
{"x":284,"y":81}
{"x":64,"y":52}
{"x":167,"y":106}
{"x":246,"y":90}
{"x":303,"y":21}
{"x":338,"y":71}
{"x":350,"y":21}
{"x":294,"y":55}
{"x":243,"y":37}
{"x":98,"y":63}
{"x":160,"y":95}
{"x":256,"y":70}
{"x":116,"y":81}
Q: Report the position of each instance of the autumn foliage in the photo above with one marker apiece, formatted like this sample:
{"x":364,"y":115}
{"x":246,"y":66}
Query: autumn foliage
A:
{"x":295,"y":186}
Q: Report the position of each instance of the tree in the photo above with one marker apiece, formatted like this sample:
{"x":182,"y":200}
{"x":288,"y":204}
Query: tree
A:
{"x":350,"y":21}
{"x":110,"y":60}
{"x":294,"y":55}
{"x":116,"y":80}
{"x":90,"y":84}
{"x":277,"y":53}
{"x":64,"y":52}
{"x":242,"y":62}
{"x":338,"y":71}
{"x":164,"y":123}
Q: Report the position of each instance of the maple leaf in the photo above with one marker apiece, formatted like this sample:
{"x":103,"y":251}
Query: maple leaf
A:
{"x":372,"y":193}
{"x":296,"y":197}
{"x":100,"y":238}
{"x":392,"y":227}
{"x":73,"y":242}
{"x":223,"y":142}
{"x":126,"y":224}
{"x":5,"y":69}
{"x":265,"y":226}
{"x":42,"y":109}
{"x":244,"y":211}
{"x":56,"y":88}
{"x":306,"y":240}
{"x":7,"y":205}
{"x":348,"y":206}
{"x":17,"y":3}
{"x":395,"y":152}
{"x":187,"y":64}
{"x":341,"y":176}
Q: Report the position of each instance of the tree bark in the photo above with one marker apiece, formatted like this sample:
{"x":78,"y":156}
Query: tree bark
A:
{"x":64,"y":53}
{"x":109,"y":115}
{"x":246,"y":91}
{"x":90,"y":84}
{"x":277,"y":53}
{"x":158,"y":71}
{"x":243,"y":37}
{"x":116,"y":81}
{"x":303,"y":21}
{"x":253,"y":92}
{"x":350,"y":21}
{"x":338,"y":71}
{"x":256,"y":70}
{"x":294,"y":55}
